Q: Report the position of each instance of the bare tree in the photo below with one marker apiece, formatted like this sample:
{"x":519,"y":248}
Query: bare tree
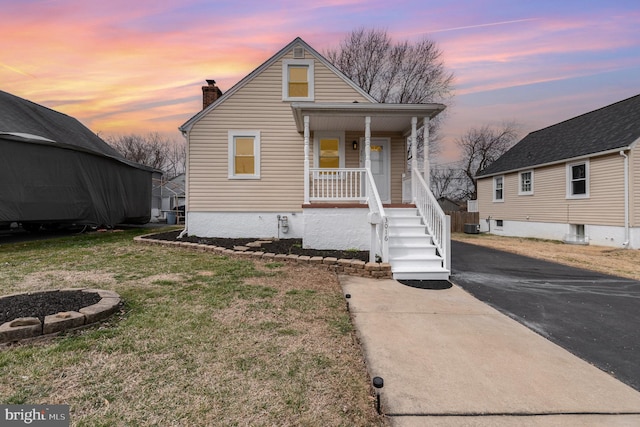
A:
{"x":482,"y":146}
{"x":153,"y":150}
{"x":396,"y":72}
{"x":449,"y":182}
{"x":393,"y":73}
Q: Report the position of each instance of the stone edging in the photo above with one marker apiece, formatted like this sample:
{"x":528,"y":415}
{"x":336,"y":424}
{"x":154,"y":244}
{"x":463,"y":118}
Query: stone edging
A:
{"x":30,"y":327}
{"x":350,"y":267}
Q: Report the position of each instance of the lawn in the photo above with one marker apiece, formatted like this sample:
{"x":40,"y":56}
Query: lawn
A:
{"x":201,"y":339}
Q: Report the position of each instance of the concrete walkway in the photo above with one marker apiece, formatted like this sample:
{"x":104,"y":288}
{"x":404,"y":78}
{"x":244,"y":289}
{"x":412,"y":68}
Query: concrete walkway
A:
{"x":448,"y":359}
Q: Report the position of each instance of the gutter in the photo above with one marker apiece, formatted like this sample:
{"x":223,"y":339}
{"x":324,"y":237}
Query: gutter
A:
{"x":627,"y":236}
{"x":185,"y":134}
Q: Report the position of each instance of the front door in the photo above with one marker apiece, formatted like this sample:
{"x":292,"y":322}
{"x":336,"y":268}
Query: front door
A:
{"x":380,"y":166}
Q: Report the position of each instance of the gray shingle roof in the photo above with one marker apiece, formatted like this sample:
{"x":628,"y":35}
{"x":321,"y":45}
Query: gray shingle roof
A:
{"x":20,"y":116}
{"x":613,"y":127}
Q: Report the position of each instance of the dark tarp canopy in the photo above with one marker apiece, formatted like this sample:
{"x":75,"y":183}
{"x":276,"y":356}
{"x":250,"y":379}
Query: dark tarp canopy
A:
{"x":54,"y":170}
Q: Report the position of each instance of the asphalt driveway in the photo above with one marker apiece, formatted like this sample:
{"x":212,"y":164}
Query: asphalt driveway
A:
{"x":594,"y":316}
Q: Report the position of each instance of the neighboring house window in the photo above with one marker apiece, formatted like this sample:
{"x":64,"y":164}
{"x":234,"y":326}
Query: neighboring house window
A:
{"x":526,"y":183}
{"x":578,"y":180}
{"x":498,"y":189}
{"x":244,"y":154}
{"x":297,"y":80}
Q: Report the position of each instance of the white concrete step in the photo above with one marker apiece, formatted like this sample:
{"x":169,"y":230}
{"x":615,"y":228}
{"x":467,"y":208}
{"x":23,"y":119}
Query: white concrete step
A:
{"x":415,"y":240}
{"x":439,"y":274}
{"x":411,"y":253}
{"x":417,"y":263}
{"x":407,"y":230}
{"x":401,"y":251}
{"x":405,"y":220}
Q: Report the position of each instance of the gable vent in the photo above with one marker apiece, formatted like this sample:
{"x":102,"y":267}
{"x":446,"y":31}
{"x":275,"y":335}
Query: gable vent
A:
{"x":298,"y":52}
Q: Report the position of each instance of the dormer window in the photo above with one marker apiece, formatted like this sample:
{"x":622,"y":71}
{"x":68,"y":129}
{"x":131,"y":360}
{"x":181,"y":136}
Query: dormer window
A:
{"x":297,"y":80}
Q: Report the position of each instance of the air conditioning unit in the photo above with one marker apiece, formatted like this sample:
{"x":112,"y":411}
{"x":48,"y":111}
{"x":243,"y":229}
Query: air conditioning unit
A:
{"x":472,"y":228}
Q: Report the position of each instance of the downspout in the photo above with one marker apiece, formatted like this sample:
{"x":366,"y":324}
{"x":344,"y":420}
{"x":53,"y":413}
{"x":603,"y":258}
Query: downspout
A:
{"x":186,"y":186}
{"x":627,"y":237}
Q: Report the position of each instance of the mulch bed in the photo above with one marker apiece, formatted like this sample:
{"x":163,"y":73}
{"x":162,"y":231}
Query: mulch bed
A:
{"x":42,"y":304}
{"x":281,"y":246}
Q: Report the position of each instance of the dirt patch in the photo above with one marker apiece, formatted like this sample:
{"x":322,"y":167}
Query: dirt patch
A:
{"x":276,"y":246}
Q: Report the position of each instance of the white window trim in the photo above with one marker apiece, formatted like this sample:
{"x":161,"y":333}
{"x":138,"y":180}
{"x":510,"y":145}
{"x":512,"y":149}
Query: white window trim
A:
{"x":520,"y":191}
{"x":317,"y":136}
{"x":285,"y":79}
{"x":256,"y":153}
{"x":495,"y":188}
{"x":569,"y":180}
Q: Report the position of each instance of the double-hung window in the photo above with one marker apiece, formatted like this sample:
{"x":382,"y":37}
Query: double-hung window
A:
{"x":328,"y":152}
{"x":297,"y":80}
{"x":498,"y":189}
{"x":244,"y":154}
{"x":526,"y":183}
{"x":578,"y":180}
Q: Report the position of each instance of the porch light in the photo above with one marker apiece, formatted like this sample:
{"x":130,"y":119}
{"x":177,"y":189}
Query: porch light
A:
{"x":354,"y":144}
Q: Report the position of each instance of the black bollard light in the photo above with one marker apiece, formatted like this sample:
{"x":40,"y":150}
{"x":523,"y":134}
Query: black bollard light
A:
{"x":347,"y":296}
{"x":378,"y":383}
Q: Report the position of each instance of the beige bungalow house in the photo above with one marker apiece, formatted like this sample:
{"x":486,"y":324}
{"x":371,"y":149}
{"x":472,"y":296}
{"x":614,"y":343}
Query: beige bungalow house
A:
{"x":577,"y":181}
{"x":298,"y":150}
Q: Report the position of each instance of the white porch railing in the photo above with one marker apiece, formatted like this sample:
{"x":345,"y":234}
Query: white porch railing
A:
{"x":354,"y":185}
{"x":337,"y":185}
{"x":438,"y":224}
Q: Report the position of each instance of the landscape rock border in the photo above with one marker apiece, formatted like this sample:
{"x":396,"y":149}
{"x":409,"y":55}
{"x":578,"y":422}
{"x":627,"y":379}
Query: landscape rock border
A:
{"x":353,"y":267}
{"x":31,"y":327}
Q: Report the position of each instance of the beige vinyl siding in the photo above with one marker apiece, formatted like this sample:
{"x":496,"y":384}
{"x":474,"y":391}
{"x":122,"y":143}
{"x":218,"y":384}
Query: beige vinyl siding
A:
{"x":548,"y":203}
{"x":257,"y":106}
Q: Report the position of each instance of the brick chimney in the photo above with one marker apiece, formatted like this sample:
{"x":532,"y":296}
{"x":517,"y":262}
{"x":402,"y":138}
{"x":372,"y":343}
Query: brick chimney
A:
{"x":210,"y":93}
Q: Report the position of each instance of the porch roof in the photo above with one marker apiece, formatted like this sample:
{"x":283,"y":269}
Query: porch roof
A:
{"x":351,"y":116}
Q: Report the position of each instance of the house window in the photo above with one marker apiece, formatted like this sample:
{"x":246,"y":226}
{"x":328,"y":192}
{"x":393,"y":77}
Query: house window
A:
{"x":498,"y":189}
{"x":244,"y":154}
{"x":297,"y":80}
{"x":499,"y":223}
{"x":329,"y":153}
{"x":329,"y":150}
{"x":578,"y":180}
{"x":526,"y":183}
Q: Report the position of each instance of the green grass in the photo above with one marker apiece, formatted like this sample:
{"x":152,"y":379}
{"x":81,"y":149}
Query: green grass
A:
{"x":201,"y":340}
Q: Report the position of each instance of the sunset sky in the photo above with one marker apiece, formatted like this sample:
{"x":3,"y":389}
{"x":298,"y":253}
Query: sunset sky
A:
{"x":137,"y":66}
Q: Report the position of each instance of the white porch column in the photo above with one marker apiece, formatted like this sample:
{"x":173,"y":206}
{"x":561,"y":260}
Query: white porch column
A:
{"x":367,"y":142}
{"x":414,"y":156}
{"x":427,"y":165}
{"x":306,"y":160}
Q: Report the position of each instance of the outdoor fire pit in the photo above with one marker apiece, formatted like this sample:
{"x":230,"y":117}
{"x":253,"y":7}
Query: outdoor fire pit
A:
{"x":32,"y":314}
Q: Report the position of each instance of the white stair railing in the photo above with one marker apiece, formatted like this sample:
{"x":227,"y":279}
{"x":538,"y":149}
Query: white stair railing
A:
{"x":379,"y":222}
{"x":438,"y":224}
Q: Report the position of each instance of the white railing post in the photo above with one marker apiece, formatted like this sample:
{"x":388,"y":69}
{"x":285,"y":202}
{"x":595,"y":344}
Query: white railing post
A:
{"x":306,"y":160}
{"x":367,"y":143}
{"x":425,"y":149}
{"x":414,"y":156}
{"x":447,"y":241}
